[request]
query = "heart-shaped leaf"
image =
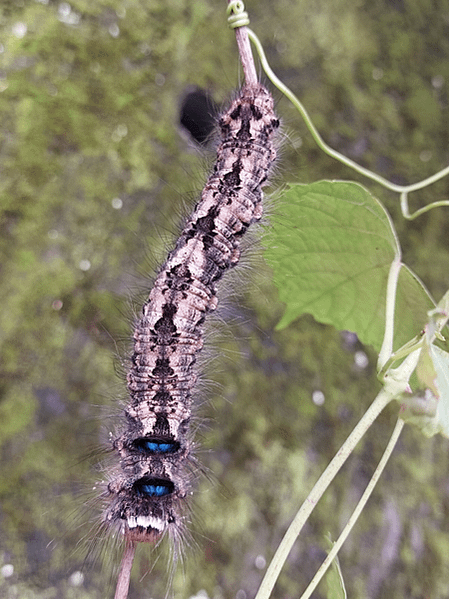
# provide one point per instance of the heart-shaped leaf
(331, 246)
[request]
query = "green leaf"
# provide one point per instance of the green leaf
(331, 246)
(334, 577)
(441, 364)
(428, 408)
(413, 302)
(425, 369)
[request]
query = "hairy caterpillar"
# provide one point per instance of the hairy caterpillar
(148, 492)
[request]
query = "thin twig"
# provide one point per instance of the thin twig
(121, 592)
(246, 55)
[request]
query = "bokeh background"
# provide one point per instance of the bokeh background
(95, 173)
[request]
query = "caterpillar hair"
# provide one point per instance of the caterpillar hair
(148, 491)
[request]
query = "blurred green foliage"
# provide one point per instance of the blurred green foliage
(89, 101)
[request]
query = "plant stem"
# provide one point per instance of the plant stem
(121, 592)
(318, 490)
(246, 55)
(356, 513)
(401, 189)
(405, 209)
(392, 284)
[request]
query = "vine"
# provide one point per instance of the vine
(403, 190)
(425, 404)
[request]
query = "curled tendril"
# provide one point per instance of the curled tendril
(237, 16)
(403, 190)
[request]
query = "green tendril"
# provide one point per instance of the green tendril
(237, 16)
(403, 190)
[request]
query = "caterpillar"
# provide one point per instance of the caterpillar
(148, 492)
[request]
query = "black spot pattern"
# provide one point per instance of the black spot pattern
(147, 493)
